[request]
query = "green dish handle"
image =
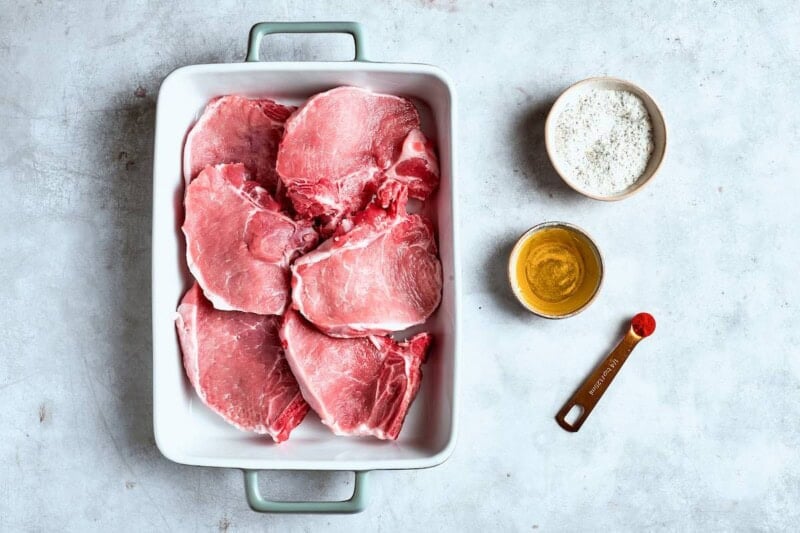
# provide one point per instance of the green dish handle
(356, 503)
(261, 29)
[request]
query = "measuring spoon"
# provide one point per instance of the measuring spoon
(589, 393)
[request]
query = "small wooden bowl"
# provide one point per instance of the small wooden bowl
(656, 119)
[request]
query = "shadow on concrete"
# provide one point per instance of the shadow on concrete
(125, 134)
(532, 155)
(495, 270)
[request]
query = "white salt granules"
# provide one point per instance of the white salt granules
(603, 140)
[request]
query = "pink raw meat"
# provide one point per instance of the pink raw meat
(236, 365)
(235, 129)
(357, 386)
(338, 148)
(238, 242)
(381, 276)
(417, 167)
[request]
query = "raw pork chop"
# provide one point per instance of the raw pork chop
(381, 276)
(235, 129)
(236, 364)
(417, 167)
(338, 148)
(238, 242)
(357, 386)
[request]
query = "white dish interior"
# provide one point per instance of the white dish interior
(186, 431)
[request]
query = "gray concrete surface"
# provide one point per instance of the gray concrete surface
(700, 431)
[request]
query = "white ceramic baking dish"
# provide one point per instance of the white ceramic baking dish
(185, 430)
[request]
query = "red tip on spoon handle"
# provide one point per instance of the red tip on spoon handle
(643, 324)
(589, 393)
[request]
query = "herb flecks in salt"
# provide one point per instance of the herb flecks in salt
(604, 139)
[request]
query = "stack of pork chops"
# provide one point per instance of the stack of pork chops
(306, 261)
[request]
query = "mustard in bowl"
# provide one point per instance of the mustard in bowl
(555, 270)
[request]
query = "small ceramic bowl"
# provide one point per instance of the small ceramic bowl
(514, 259)
(656, 119)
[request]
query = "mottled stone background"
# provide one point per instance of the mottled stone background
(700, 431)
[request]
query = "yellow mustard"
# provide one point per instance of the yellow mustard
(557, 271)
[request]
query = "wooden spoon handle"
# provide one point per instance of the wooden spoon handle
(592, 389)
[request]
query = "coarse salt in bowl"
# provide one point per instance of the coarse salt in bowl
(605, 137)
